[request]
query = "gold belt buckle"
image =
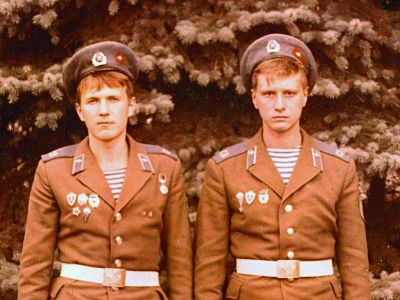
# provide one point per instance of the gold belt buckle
(114, 277)
(288, 269)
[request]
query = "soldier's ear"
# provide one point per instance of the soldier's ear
(254, 98)
(131, 106)
(305, 97)
(79, 111)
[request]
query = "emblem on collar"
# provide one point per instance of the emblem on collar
(145, 162)
(251, 157)
(317, 159)
(78, 164)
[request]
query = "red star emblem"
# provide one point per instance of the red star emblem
(120, 58)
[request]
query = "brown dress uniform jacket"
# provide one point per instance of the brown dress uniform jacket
(320, 204)
(143, 217)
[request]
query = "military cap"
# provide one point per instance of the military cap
(273, 46)
(99, 57)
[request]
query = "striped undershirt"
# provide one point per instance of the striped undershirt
(115, 179)
(285, 160)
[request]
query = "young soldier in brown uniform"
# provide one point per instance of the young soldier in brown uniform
(286, 206)
(108, 203)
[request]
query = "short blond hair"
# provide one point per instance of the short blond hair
(101, 79)
(277, 68)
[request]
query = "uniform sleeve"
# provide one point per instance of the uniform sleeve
(351, 248)
(39, 241)
(212, 234)
(177, 240)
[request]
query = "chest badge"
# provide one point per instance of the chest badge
(94, 200)
(71, 199)
(263, 196)
(76, 211)
(240, 198)
(163, 188)
(86, 213)
(250, 196)
(82, 199)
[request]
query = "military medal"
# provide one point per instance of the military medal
(71, 198)
(263, 196)
(94, 200)
(250, 196)
(163, 188)
(86, 213)
(239, 198)
(76, 211)
(82, 199)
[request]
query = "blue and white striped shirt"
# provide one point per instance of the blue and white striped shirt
(285, 160)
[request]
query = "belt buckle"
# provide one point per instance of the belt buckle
(288, 269)
(114, 277)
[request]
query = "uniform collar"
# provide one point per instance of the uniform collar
(309, 165)
(87, 170)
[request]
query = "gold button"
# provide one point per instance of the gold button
(288, 208)
(290, 231)
(114, 288)
(118, 262)
(118, 217)
(118, 240)
(290, 254)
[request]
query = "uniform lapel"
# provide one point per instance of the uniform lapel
(306, 168)
(88, 172)
(264, 168)
(135, 176)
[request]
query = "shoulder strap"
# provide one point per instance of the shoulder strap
(67, 151)
(231, 151)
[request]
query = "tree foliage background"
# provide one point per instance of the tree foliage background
(191, 97)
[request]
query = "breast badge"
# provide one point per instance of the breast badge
(94, 200)
(82, 199)
(83, 203)
(86, 213)
(263, 196)
(250, 196)
(71, 199)
(240, 198)
(163, 188)
(76, 211)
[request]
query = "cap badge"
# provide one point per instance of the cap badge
(99, 59)
(273, 46)
(299, 55)
(120, 58)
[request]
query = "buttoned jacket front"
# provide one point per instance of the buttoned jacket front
(315, 217)
(127, 234)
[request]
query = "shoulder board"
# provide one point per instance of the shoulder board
(67, 151)
(332, 150)
(231, 151)
(155, 149)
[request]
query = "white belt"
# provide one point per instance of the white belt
(284, 268)
(110, 277)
